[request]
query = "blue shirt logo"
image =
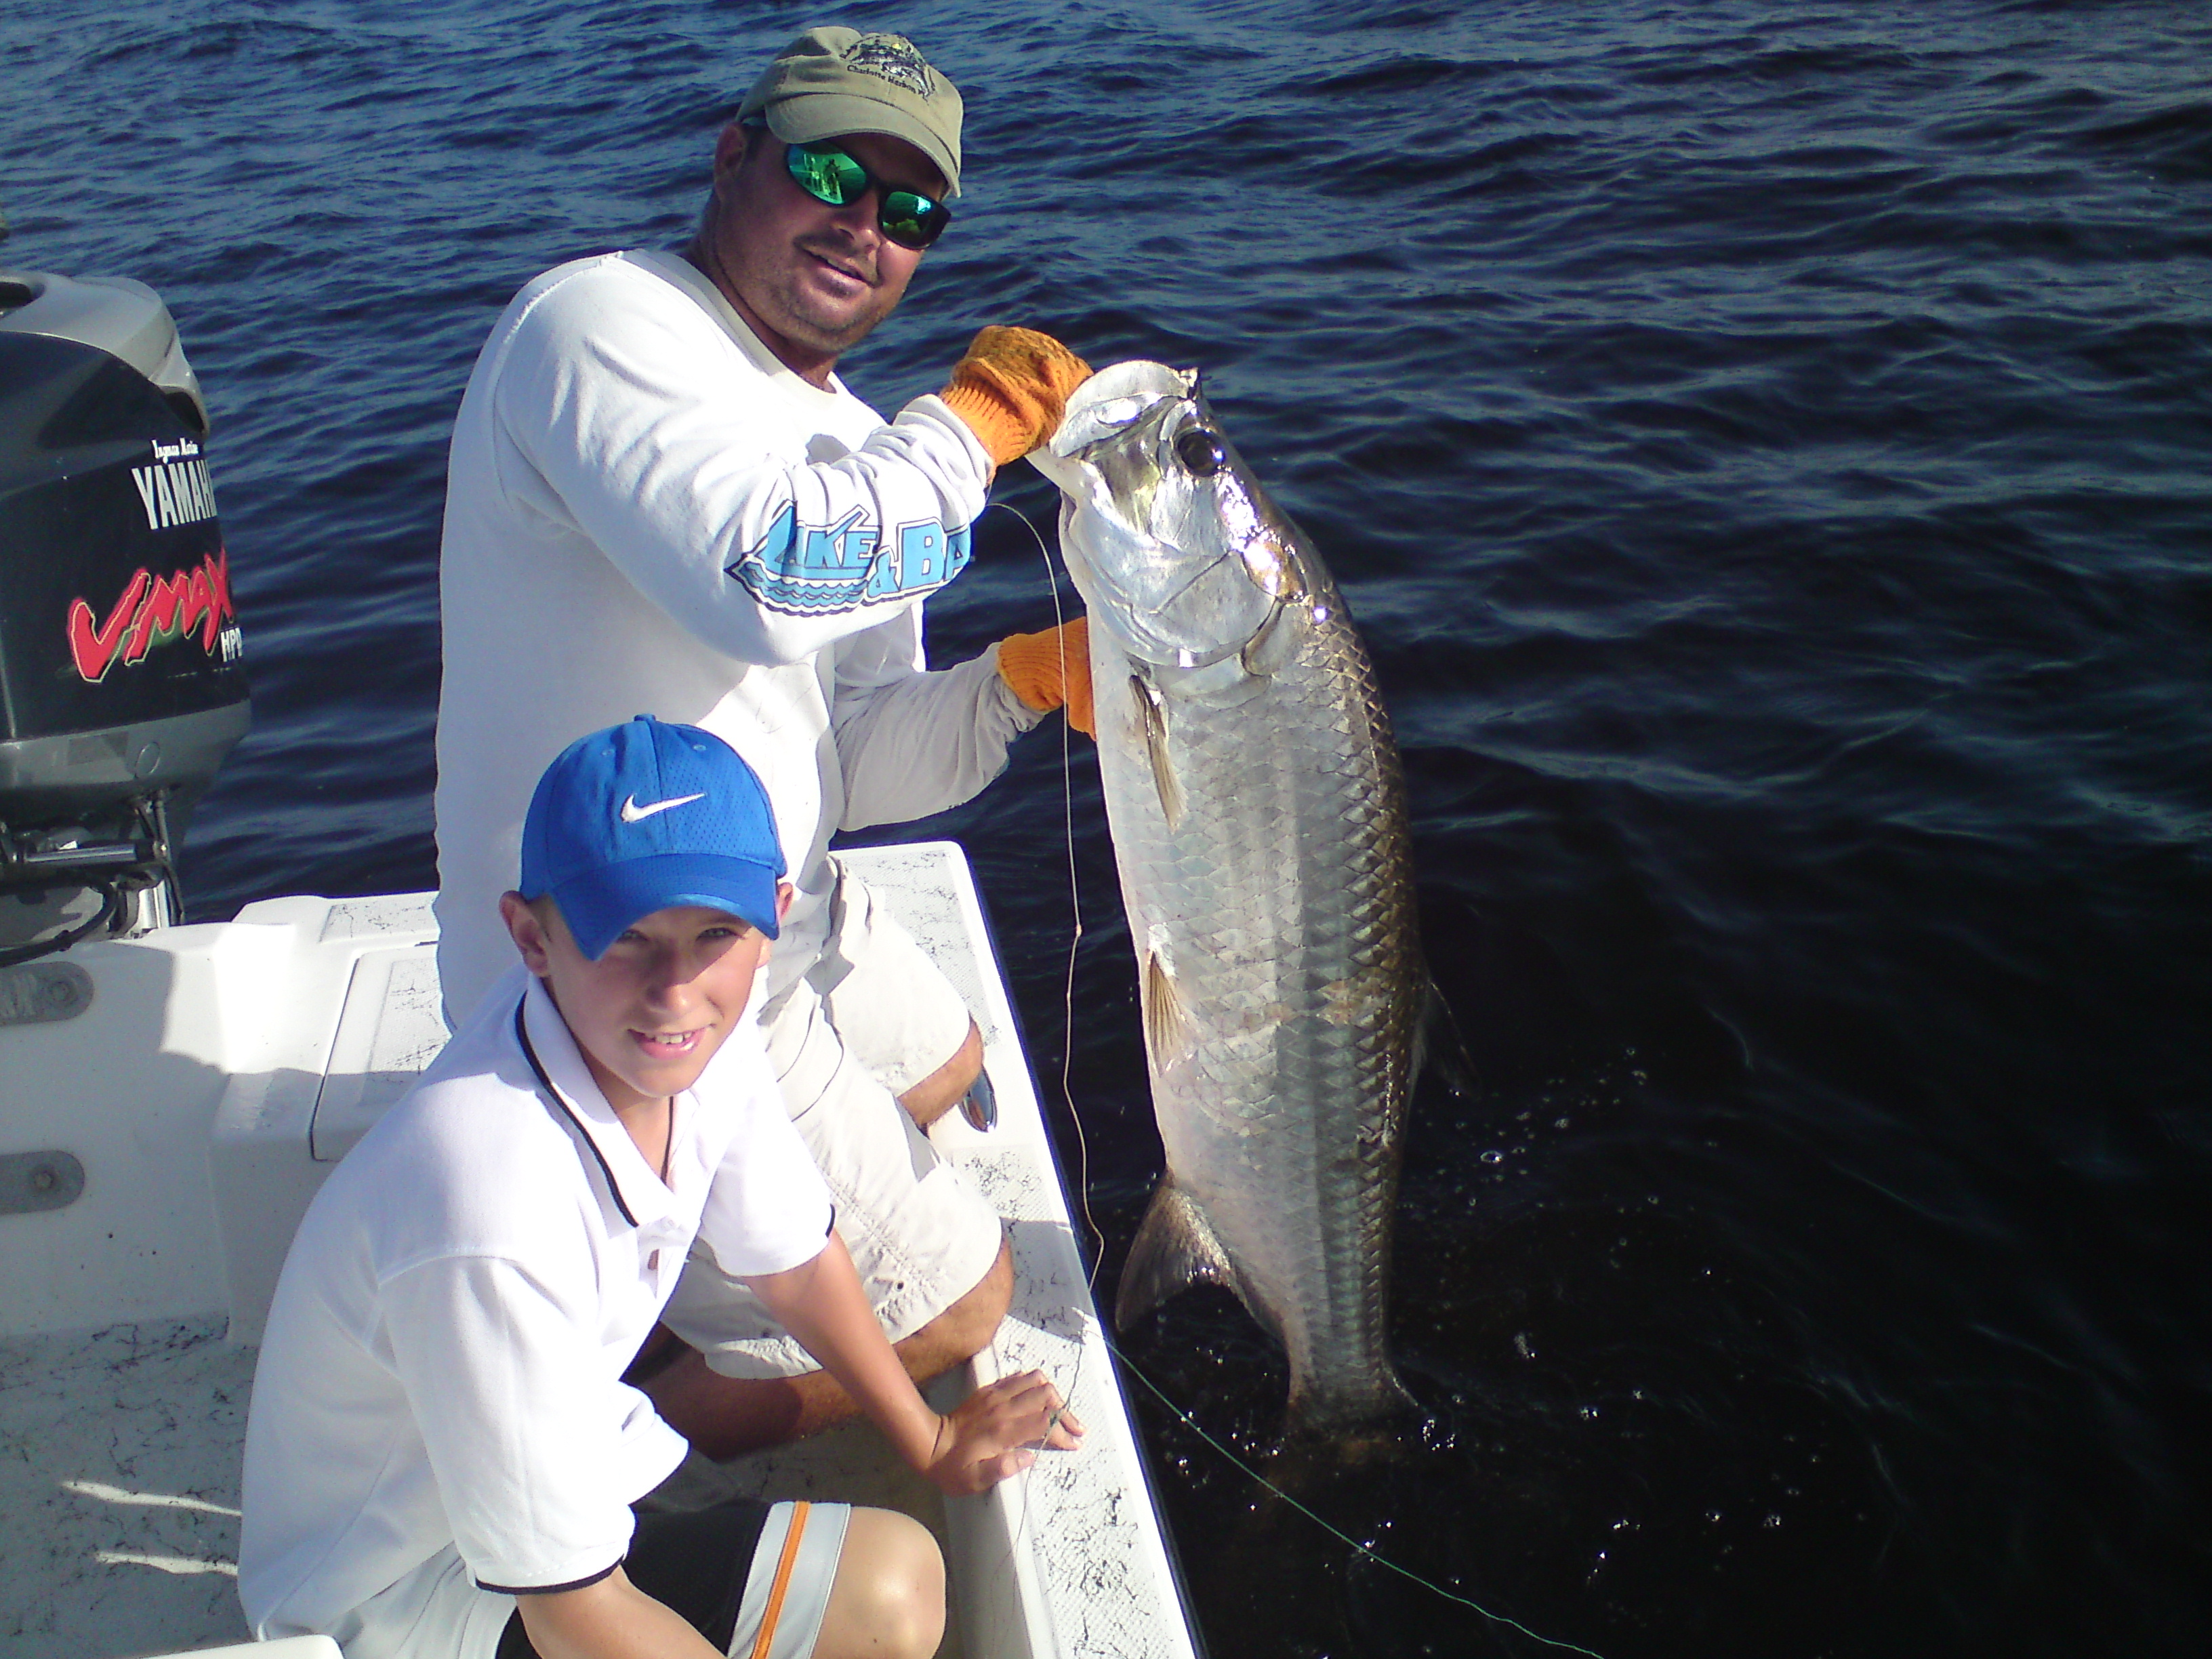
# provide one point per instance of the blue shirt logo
(806, 571)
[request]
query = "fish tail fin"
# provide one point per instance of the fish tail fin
(1174, 1248)
(1371, 1401)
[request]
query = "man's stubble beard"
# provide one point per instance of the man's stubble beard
(853, 326)
(778, 299)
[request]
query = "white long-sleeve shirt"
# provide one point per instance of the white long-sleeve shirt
(647, 513)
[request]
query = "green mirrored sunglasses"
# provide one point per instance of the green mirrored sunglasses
(828, 174)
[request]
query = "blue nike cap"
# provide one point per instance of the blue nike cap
(645, 816)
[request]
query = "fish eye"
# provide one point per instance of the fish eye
(1201, 452)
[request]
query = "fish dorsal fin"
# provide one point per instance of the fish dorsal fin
(1152, 722)
(1174, 1249)
(1167, 1027)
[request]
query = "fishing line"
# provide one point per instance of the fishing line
(1083, 1181)
(1075, 907)
(1067, 982)
(1380, 1561)
(1067, 1018)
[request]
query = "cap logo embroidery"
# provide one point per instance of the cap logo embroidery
(893, 58)
(632, 812)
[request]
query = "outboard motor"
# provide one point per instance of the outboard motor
(121, 688)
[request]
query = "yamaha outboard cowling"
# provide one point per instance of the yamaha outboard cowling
(121, 688)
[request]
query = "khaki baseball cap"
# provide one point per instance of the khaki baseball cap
(832, 80)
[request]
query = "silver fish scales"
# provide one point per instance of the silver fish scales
(1259, 824)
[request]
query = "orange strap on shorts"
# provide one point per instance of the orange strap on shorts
(783, 1566)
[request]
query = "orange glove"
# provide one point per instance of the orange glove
(1011, 389)
(1050, 669)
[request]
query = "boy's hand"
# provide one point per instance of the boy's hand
(991, 1434)
(994, 1432)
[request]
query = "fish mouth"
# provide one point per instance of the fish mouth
(1110, 402)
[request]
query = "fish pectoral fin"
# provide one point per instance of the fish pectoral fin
(1167, 1027)
(1152, 722)
(1174, 1249)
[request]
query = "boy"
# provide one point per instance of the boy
(442, 1457)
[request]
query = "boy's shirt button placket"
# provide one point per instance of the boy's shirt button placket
(663, 1245)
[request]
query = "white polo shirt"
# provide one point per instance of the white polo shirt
(439, 1419)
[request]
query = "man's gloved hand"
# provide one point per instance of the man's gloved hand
(1011, 389)
(1050, 669)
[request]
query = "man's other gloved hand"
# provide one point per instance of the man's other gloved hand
(1032, 667)
(1011, 389)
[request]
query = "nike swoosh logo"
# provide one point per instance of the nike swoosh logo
(632, 812)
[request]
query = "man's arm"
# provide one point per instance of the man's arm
(912, 744)
(990, 1435)
(682, 481)
(612, 407)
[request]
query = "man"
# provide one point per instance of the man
(441, 1458)
(661, 498)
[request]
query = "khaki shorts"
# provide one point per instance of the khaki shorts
(872, 1018)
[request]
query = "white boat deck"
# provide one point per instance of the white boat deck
(217, 1073)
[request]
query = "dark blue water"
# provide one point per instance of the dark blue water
(1766, 448)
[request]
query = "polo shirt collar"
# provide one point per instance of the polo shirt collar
(635, 1186)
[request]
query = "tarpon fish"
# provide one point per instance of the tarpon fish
(1259, 822)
